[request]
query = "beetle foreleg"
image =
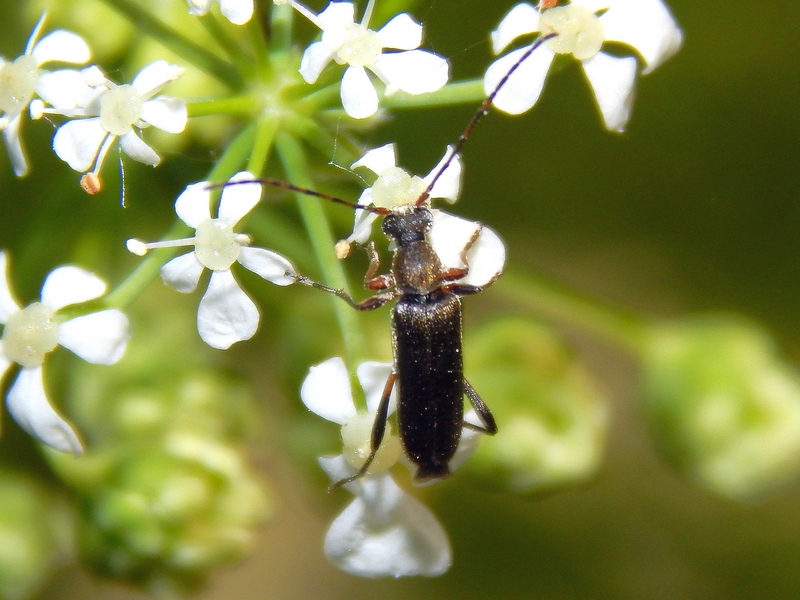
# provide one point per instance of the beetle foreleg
(370, 303)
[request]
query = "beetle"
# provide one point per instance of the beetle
(426, 326)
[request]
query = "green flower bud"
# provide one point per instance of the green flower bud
(34, 535)
(725, 407)
(551, 417)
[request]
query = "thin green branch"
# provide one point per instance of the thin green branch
(461, 92)
(175, 41)
(246, 105)
(229, 45)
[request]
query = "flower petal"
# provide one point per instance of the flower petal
(70, 285)
(414, 72)
(226, 314)
(336, 14)
(238, 200)
(192, 206)
(522, 89)
(168, 114)
(385, 532)
(377, 160)
(362, 227)
(99, 338)
(486, 258)
(359, 98)
(155, 77)
(315, 58)
(448, 186)
(520, 20)
(237, 12)
(199, 7)
(77, 142)
(29, 407)
(326, 391)
(612, 79)
(182, 272)
(373, 376)
(402, 32)
(16, 154)
(646, 25)
(134, 146)
(267, 264)
(64, 90)
(7, 303)
(62, 46)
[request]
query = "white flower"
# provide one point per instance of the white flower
(360, 48)
(30, 333)
(395, 187)
(383, 532)
(237, 12)
(226, 314)
(582, 27)
(23, 77)
(106, 111)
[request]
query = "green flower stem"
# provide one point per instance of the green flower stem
(461, 92)
(229, 45)
(281, 18)
(321, 139)
(134, 285)
(323, 97)
(259, 42)
(541, 295)
(266, 128)
(189, 50)
(313, 213)
(245, 105)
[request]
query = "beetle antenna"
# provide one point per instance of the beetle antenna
(482, 112)
(300, 190)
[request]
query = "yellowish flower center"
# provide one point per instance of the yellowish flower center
(361, 47)
(579, 31)
(29, 334)
(394, 187)
(216, 245)
(120, 108)
(356, 436)
(18, 81)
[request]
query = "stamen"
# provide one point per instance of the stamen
(302, 10)
(367, 13)
(140, 248)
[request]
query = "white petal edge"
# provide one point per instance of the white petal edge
(16, 153)
(315, 58)
(28, 405)
(385, 532)
(448, 186)
(523, 88)
(378, 160)
(373, 376)
(99, 338)
(7, 303)
(520, 20)
(64, 90)
(62, 46)
(199, 7)
(267, 264)
(168, 114)
(402, 33)
(362, 225)
(336, 14)
(77, 142)
(226, 314)
(359, 98)
(237, 12)
(182, 273)
(135, 147)
(238, 200)
(155, 77)
(612, 80)
(486, 258)
(326, 391)
(645, 25)
(70, 285)
(414, 71)
(192, 206)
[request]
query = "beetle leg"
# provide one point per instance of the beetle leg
(373, 281)
(376, 439)
(485, 415)
(460, 272)
(370, 303)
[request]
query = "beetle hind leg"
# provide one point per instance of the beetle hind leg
(485, 415)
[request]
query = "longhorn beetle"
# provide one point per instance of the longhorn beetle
(426, 326)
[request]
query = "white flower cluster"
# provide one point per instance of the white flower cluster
(100, 110)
